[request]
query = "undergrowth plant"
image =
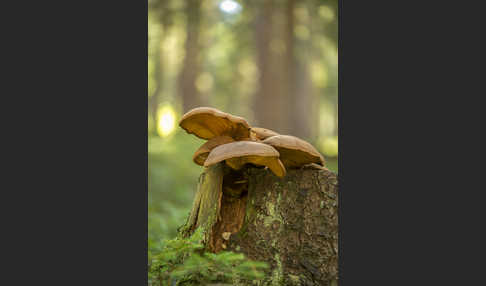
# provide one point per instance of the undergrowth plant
(184, 262)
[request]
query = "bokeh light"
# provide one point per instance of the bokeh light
(165, 121)
(330, 146)
(230, 6)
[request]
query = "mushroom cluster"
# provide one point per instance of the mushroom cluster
(232, 146)
(232, 140)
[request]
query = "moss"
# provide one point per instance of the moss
(294, 279)
(277, 274)
(208, 226)
(273, 214)
(272, 209)
(250, 211)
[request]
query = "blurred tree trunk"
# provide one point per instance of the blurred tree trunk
(271, 99)
(187, 78)
(164, 18)
(154, 99)
(291, 223)
(285, 100)
(290, 62)
(303, 100)
(304, 105)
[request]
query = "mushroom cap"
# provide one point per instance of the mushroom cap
(202, 153)
(262, 133)
(240, 153)
(208, 122)
(314, 166)
(294, 152)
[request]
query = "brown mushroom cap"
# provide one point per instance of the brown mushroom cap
(294, 152)
(261, 133)
(314, 166)
(208, 122)
(202, 153)
(240, 153)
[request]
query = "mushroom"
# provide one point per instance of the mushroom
(258, 133)
(294, 152)
(314, 166)
(202, 153)
(237, 154)
(208, 122)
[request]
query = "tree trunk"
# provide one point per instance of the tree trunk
(187, 78)
(304, 105)
(291, 223)
(158, 77)
(303, 111)
(271, 99)
(164, 18)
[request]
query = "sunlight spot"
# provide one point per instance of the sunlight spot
(330, 146)
(318, 74)
(327, 120)
(326, 13)
(230, 6)
(165, 121)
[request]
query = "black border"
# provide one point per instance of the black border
(76, 189)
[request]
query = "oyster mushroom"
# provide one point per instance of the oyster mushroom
(202, 153)
(294, 152)
(237, 154)
(258, 133)
(207, 123)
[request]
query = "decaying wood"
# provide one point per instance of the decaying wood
(291, 222)
(207, 202)
(233, 207)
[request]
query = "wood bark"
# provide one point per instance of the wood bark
(291, 223)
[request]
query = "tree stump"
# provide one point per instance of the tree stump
(291, 223)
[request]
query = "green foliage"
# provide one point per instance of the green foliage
(172, 183)
(184, 262)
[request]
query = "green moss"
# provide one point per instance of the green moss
(273, 214)
(277, 274)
